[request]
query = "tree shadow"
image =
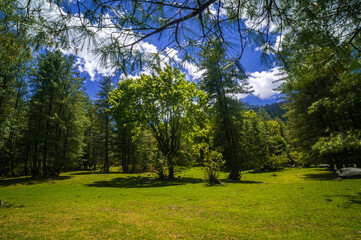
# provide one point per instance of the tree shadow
(324, 175)
(94, 172)
(30, 181)
(352, 200)
(239, 181)
(143, 182)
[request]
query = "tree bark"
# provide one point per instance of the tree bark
(106, 163)
(171, 168)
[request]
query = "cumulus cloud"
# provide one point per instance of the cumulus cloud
(89, 61)
(279, 40)
(265, 82)
(214, 11)
(170, 57)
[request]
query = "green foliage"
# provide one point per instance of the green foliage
(15, 55)
(265, 147)
(343, 142)
(105, 120)
(324, 107)
(275, 110)
(159, 164)
(166, 104)
(223, 81)
(213, 162)
(57, 117)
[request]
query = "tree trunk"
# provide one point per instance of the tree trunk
(171, 168)
(26, 160)
(106, 163)
(124, 162)
(35, 165)
(45, 147)
(339, 164)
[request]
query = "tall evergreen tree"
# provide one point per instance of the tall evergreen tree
(103, 105)
(223, 80)
(56, 115)
(14, 57)
(323, 102)
(94, 146)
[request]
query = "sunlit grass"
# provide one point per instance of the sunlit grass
(290, 204)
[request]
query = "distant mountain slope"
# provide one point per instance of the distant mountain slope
(253, 100)
(274, 109)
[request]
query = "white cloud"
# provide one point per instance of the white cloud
(222, 11)
(259, 24)
(264, 83)
(279, 40)
(89, 61)
(193, 71)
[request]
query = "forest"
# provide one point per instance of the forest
(158, 122)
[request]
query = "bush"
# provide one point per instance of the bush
(159, 165)
(213, 163)
(272, 163)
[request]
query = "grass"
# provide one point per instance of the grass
(290, 204)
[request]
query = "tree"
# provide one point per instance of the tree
(105, 117)
(93, 138)
(12, 113)
(56, 115)
(165, 103)
(15, 55)
(191, 23)
(223, 82)
(321, 59)
(264, 146)
(324, 109)
(213, 163)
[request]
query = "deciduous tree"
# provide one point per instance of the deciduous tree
(165, 103)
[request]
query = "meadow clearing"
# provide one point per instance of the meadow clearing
(300, 203)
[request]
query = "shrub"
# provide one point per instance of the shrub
(213, 163)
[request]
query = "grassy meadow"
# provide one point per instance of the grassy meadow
(290, 204)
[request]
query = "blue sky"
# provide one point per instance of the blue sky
(261, 76)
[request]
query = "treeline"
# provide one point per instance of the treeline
(158, 122)
(44, 117)
(161, 122)
(275, 110)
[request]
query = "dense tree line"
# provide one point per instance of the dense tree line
(322, 85)
(275, 110)
(156, 122)
(160, 121)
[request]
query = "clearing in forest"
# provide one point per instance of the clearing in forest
(290, 204)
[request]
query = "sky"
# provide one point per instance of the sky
(261, 77)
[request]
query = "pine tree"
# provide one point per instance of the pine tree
(223, 81)
(14, 57)
(56, 115)
(103, 105)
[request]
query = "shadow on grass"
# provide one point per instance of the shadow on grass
(94, 172)
(30, 181)
(257, 172)
(240, 181)
(142, 182)
(352, 200)
(323, 175)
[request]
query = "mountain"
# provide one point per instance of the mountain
(274, 109)
(253, 100)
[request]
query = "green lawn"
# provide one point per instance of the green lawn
(290, 204)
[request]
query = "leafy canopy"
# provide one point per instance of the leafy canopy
(166, 104)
